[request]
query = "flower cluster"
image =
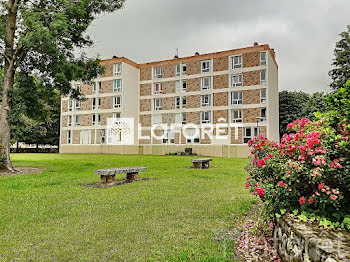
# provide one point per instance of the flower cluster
(309, 169)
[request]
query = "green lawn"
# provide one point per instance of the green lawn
(176, 215)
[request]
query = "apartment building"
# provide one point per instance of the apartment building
(236, 90)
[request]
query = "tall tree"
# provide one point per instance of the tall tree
(341, 73)
(40, 37)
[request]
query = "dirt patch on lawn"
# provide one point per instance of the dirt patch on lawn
(117, 183)
(21, 170)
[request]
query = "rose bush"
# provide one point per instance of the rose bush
(308, 171)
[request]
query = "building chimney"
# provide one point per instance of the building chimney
(176, 56)
(196, 53)
(115, 56)
(256, 44)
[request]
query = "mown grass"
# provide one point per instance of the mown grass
(176, 215)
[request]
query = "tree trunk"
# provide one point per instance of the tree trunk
(9, 75)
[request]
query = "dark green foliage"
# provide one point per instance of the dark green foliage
(298, 105)
(341, 72)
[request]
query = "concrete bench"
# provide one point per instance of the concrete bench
(201, 162)
(108, 174)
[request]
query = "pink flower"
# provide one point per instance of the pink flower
(280, 183)
(317, 194)
(333, 197)
(260, 192)
(302, 200)
(247, 185)
(311, 201)
(320, 186)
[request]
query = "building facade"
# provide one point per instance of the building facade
(236, 90)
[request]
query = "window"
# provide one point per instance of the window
(263, 58)
(77, 104)
(168, 137)
(183, 118)
(117, 69)
(236, 61)
(184, 85)
(183, 102)
(184, 68)
(157, 119)
(205, 100)
(78, 87)
(96, 119)
(236, 116)
(157, 72)
(77, 120)
(97, 87)
(103, 136)
(177, 102)
(263, 113)
(236, 97)
(206, 83)
(96, 103)
(205, 66)
(177, 69)
(237, 80)
(117, 102)
(263, 77)
(191, 137)
(117, 85)
(157, 104)
(69, 120)
(249, 133)
(70, 105)
(263, 95)
(206, 117)
(116, 117)
(69, 137)
(158, 88)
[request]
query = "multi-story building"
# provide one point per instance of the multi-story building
(237, 87)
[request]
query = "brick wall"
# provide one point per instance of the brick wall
(251, 78)
(168, 87)
(240, 137)
(220, 114)
(76, 136)
(220, 99)
(250, 114)
(221, 63)
(220, 81)
(146, 73)
(193, 118)
(65, 106)
(251, 96)
(251, 59)
(193, 101)
(108, 65)
(104, 118)
(157, 132)
(168, 103)
(64, 137)
(193, 85)
(145, 105)
(145, 120)
(168, 118)
(145, 141)
(64, 121)
(86, 89)
(86, 105)
(168, 71)
(107, 86)
(145, 89)
(85, 120)
(193, 67)
(107, 102)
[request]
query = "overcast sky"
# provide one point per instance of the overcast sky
(303, 33)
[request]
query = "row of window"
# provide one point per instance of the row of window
(96, 103)
(235, 61)
(236, 98)
(97, 86)
(206, 83)
(168, 136)
(96, 119)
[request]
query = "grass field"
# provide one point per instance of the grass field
(176, 215)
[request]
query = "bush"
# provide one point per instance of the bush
(308, 171)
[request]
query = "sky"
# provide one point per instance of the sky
(302, 32)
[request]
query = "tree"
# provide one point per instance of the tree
(298, 105)
(341, 73)
(40, 38)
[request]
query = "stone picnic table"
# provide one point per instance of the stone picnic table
(108, 174)
(201, 162)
